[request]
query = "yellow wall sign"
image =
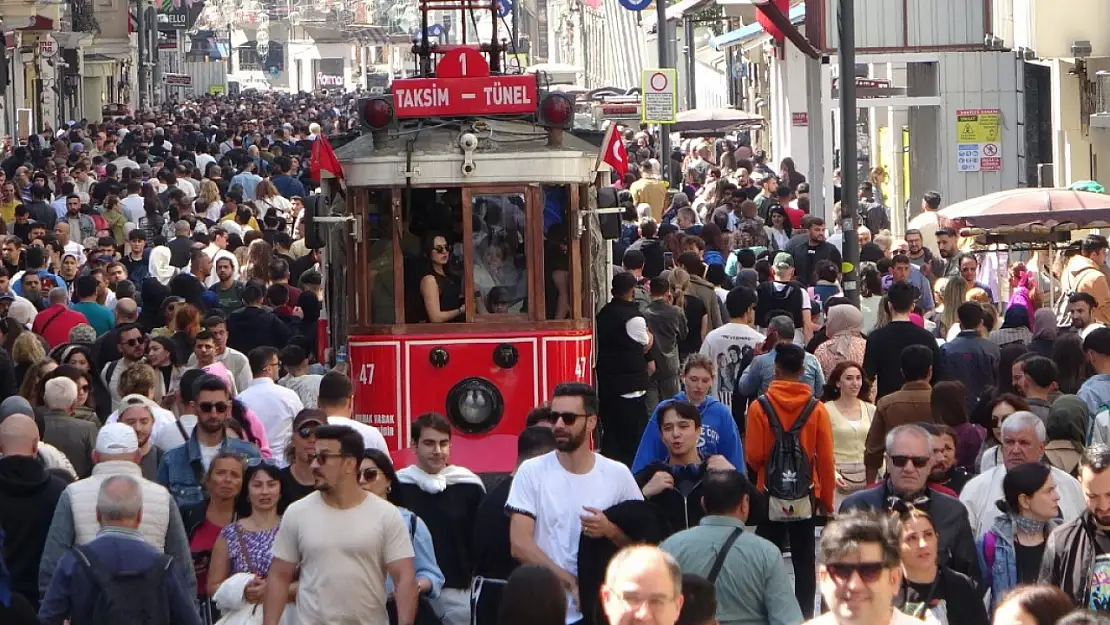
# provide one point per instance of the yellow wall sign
(978, 126)
(215, 89)
(659, 102)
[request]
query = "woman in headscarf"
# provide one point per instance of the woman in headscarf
(1066, 427)
(1044, 332)
(1015, 327)
(846, 343)
(678, 201)
(159, 264)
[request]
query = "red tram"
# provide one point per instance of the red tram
(485, 164)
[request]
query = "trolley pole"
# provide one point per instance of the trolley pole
(848, 162)
(663, 41)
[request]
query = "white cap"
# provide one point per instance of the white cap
(116, 438)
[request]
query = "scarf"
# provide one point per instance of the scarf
(438, 482)
(1028, 525)
(1044, 324)
(843, 328)
(1067, 421)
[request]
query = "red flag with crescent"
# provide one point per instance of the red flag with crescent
(614, 154)
(766, 23)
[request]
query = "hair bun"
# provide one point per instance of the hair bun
(1003, 506)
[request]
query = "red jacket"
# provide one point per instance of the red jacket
(55, 322)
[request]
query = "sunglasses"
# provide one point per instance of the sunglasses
(306, 431)
(918, 461)
(322, 457)
(134, 342)
(368, 475)
(208, 406)
(842, 572)
(440, 249)
(258, 462)
(568, 417)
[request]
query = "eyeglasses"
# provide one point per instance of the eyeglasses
(440, 249)
(368, 475)
(568, 417)
(322, 457)
(635, 601)
(842, 572)
(208, 406)
(306, 431)
(918, 461)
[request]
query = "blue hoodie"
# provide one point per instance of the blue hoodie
(718, 436)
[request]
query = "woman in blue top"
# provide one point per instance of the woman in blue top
(377, 476)
(719, 435)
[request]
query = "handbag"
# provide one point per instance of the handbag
(854, 476)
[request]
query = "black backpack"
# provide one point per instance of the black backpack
(128, 596)
(788, 474)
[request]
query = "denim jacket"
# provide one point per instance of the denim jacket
(1002, 575)
(425, 562)
(182, 472)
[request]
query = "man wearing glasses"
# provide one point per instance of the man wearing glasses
(909, 460)
(642, 578)
(344, 541)
(558, 497)
(132, 348)
(860, 571)
(182, 469)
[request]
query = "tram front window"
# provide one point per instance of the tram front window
(380, 225)
(500, 276)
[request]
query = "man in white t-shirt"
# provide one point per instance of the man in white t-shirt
(559, 496)
(733, 345)
(337, 400)
(344, 541)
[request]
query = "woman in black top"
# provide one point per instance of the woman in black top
(440, 290)
(697, 319)
(929, 591)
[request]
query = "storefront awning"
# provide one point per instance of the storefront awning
(746, 32)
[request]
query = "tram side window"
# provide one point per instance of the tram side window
(500, 276)
(434, 255)
(380, 232)
(556, 255)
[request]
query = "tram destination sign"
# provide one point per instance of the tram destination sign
(463, 86)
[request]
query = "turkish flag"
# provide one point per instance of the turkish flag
(324, 160)
(766, 23)
(614, 154)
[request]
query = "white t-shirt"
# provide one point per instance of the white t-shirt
(726, 347)
(342, 555)
(371, 436)
(556, 498)
(207, 455)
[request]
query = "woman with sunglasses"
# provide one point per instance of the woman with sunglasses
(80, 357)
(1011, 550)
(440, 290)
(244, 548)
(377, 476)
(929, 592)
(205, 520)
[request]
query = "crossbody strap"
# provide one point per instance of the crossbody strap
(723, 554)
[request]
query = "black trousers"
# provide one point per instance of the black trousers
(623, 421)
(803, 548)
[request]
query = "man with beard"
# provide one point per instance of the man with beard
(181, 467)
(948, 265)
(559, 496)
(810, 248)
(1075, 553)
(345, 542)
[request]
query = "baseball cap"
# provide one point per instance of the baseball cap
(116, 438)
(7, 297)
(307, 416)
(784, 260)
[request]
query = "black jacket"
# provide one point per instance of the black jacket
(653, 255)
(806, 258)
(180, 249)
(28, 496)
(253, 326)
(493, 557)
(450, 517)
(956, 546)
(961, 595)
(1069, 554)
(681, 505)
(641, 522)
(621, 363)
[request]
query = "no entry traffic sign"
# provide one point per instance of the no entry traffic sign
(660, 96)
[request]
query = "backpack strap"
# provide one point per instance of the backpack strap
(719, 563)
(94, 566)
(800, 422)
(412, 526)
(776, 424)
(772, 416)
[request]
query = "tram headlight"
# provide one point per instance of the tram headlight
(556, 110)
(376, 112)
(475, 406)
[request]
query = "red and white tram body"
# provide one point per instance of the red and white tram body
(509, 195)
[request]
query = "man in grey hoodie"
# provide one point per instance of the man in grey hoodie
(667, 323)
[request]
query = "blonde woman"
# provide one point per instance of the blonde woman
(878, 177)
(953, 294)
(27, 350)
(267, 199)
(210, 194)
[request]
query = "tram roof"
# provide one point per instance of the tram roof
(508, 152)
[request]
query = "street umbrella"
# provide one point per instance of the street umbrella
(714, 120)
(1030, 209)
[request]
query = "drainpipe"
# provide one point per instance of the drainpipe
(691, 63)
